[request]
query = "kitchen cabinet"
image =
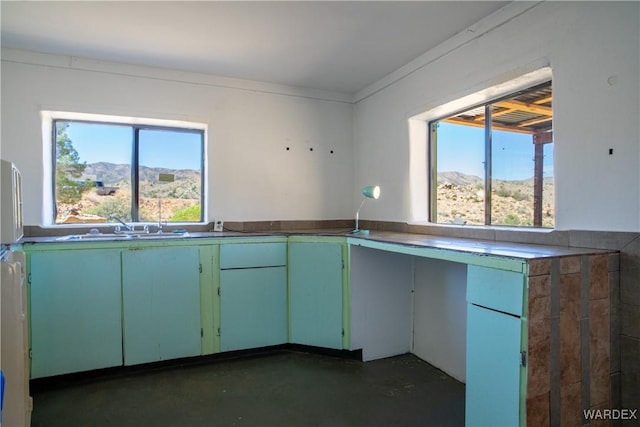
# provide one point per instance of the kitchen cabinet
(495, 358)
(161, 303)
(75, 311)
(316, 294)
(253, 295)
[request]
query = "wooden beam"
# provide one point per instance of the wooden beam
(542, 138)
(534, 121)
(465, 122)
(523, 106)
(499, 113)
(507, 110)
(538, 180)
(543, 100)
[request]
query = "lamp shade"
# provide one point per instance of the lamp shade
(371, 191)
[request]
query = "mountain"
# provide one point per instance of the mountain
(459, 178)
(462, 179)
(112, 174)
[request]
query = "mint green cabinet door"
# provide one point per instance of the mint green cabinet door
(253, 307)
(75, 311)
(315, 292)
(493, 368)
(161, 304)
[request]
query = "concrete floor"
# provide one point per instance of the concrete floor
(279, 389)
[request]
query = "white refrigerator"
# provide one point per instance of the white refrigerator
(14, 356)
(14, 341)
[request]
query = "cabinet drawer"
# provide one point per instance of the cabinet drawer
(496, 289)
(248, 255)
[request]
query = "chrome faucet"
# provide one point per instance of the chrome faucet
(159, 216)
(127, 226)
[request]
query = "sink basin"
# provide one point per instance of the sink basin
(163, 235)
(94, 237)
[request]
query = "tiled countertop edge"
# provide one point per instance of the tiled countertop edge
(586, 239)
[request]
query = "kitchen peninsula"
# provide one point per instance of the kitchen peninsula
(533, 319)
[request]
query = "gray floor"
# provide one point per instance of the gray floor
(281, 389)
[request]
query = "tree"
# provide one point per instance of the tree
(69, 169)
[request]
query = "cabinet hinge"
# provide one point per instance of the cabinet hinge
(218, 331)
(523, 358)
(200, 268)
(30, 354)
(343, 332)
(218, 291)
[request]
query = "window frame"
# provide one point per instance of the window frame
(432, 144)
(135, 151)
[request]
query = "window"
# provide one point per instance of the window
(137, 173)
(493, 164)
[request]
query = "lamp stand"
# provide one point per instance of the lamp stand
(357, 230)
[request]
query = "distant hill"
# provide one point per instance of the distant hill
(113, 174)
(462, 179)
(459, 178)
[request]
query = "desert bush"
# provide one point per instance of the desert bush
(117, 206)
(192, 213)
(517, 195)
(513, 219)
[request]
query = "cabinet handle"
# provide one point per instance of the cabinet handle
(523, 359)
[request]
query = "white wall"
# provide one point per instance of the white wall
(593, 49)
(440, 315)
(381, 302)
(251, 176)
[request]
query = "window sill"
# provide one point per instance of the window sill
(480, 227)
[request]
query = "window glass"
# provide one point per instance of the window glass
(460, 188)
(511, 178)
(105, 172)
(501, 164)
(169, 171)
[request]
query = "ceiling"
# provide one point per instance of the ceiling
(333, 45)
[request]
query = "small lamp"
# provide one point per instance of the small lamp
(369, 192)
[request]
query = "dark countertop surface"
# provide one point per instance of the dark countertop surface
(466, 245)
(481, 247)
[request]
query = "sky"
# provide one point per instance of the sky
(461, 149)
(113, 144)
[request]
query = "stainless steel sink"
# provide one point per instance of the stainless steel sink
(163, 235)
(95, 237)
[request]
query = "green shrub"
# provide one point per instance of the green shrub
(511, 219)
(192, 213)
(117, 206)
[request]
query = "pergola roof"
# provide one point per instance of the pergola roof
(529, 112)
